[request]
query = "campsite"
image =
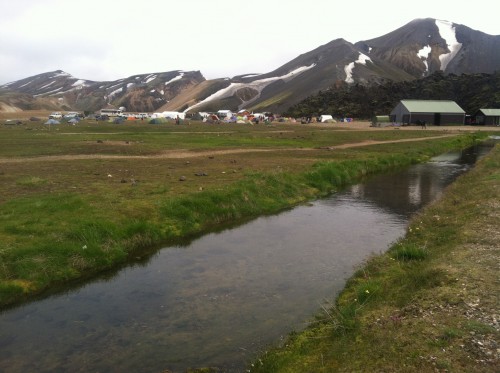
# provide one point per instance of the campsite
(96, 195)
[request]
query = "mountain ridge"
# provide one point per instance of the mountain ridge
(412, 51)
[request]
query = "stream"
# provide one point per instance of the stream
(225, 297)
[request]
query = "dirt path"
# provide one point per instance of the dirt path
(182, 153)
(373, 142)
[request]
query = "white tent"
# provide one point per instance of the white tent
(173, 115)
(224, 114)
(325, 118)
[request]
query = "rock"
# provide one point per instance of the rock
(182, 178)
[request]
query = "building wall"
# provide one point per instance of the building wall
(450, 119)
(492, 121)
(401, 114)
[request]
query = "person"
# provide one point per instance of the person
(424, 125)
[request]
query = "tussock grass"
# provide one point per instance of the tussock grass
(406, 251)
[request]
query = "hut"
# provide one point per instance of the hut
(435, 112)
(379, 120)
(488, 117)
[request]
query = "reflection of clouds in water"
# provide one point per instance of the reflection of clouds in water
(414, 193)
(357, 190)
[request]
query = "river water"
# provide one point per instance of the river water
(221, 299)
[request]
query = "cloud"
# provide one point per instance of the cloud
(107, 40)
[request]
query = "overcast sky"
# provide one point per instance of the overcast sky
(110, 39)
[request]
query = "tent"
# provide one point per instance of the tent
(118, 120)
(157, 121)
(52, 121)
(212, 118)
(173, 115)
(230, 119)
(326, 118)
(73, 121)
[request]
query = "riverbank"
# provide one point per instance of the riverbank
(66, 214)
(430, 304)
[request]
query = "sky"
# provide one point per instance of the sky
(106, 40)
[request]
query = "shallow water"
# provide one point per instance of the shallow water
(226, 296)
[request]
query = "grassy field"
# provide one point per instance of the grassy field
(77, 200)
(430, 304)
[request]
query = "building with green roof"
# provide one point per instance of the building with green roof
(435, 112)
(488, 117)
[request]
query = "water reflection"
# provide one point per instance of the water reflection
(223, 298)
(404, 192)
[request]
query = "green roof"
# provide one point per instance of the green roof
(432, 106)
(490, 112)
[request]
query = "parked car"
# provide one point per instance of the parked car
(55, 115)
(72, 114)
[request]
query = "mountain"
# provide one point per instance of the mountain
(470, 91)
(413, 51)
(60, 90)
(425, 46)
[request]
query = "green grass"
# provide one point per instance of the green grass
(62, 219)
(421, 306)
(407, 251)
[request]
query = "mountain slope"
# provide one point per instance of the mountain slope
(424, 46)
(413, 51)
(471, 92)
(142, 92)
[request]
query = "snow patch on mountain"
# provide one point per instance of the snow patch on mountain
(178, 77)
(62, 73)
(447, 32)
(348, 68)
(423, 54)
(24, 85)
(150, 78)
(46, 85)
(115, 92)
(79, 82)
(258, 85)
(50, 93)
